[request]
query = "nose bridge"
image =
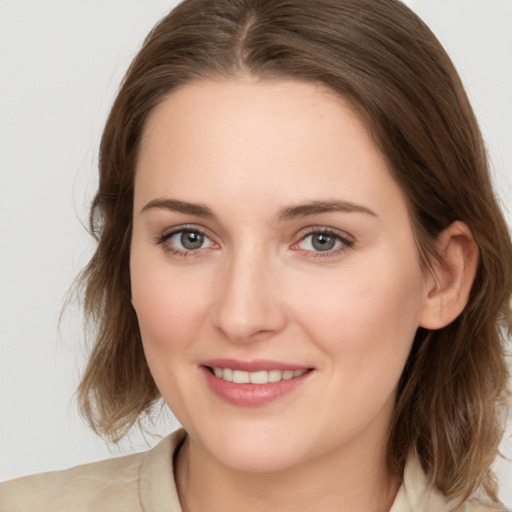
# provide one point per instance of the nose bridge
(248, 305)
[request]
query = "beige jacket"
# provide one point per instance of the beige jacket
(144, 482)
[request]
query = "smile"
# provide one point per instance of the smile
(253, 384)
(258, 377)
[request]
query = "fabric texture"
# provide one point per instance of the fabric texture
(144, 482)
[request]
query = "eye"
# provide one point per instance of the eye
(185, 241)
(324, 241)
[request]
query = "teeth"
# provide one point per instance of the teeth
(260, 377)
(275, 375)
(240, 377)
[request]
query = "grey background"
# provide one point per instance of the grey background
(61, 62)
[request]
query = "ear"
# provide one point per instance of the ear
(451, 278)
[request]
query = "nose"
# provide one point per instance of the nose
(249, 303)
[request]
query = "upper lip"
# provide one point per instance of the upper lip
(252, 366)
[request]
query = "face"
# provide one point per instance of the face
(274, 272)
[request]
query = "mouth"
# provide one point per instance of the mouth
(256, 383)
(257, 377)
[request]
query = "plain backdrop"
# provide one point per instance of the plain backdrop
(61, 62)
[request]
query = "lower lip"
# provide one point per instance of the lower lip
(252, 395)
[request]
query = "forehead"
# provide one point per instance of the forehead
(283, 141)
(257, 107)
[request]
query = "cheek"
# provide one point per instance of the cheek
(171, 309)
(366, 320)
(170, 306)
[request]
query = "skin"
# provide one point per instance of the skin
(258, 288)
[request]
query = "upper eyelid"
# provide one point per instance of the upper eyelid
(167, 233)
(324, 229)
(298, 237)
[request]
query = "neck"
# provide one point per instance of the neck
(331, 482)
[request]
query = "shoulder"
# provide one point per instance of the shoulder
(481, 506)
(112, 484)
(79, 488)
(417, 493)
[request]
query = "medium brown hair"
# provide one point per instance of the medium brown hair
(382, 58)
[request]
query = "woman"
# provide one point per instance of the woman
(300, 251)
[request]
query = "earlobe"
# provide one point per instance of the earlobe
(453, 272)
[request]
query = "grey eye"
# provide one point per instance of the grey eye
(191, 240)
(186, 241)
(323, 241)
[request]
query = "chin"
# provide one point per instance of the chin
(257, 459)
(254, 448)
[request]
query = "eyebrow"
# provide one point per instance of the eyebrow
(287, 213)
(317, 207)
(174, 205)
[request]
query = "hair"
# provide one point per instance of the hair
(382, 59)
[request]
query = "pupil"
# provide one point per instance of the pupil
(323, 242)
(192, 240)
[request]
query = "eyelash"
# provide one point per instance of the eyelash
(163, 239)
(346, 242)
